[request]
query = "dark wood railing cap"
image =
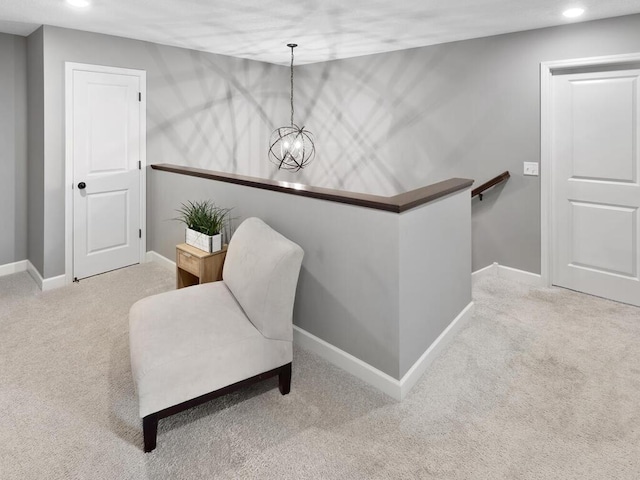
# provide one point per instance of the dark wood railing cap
(397, 203)
(479, 191)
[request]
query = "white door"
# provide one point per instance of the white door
(106, 145)
(595, 186)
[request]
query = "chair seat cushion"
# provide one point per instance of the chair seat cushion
(189, 342)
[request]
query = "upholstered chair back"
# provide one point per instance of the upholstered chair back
(261, 269)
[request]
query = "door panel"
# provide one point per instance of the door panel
(595, 189)
(614, 252)
(108, 128)
(106, 151)
(602, 113)
(108, 220)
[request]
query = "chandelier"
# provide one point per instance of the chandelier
(291, 147)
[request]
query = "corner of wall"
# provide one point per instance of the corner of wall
(500, 271)
(35, 149)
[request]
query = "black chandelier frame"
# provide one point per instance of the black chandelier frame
(279, 152)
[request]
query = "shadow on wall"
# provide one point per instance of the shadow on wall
(212, 112)
(382, 124)
(389, 123)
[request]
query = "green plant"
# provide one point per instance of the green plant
(203, 216)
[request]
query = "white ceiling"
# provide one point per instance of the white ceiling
(324, 29)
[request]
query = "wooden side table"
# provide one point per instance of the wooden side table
(195, 266)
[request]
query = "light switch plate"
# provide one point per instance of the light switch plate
(531, 168)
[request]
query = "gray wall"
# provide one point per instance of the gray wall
(383, 123)
(434, 261)
(396, 121)
(204, 110)
(378, 285)
(35, 149)
(348, 288)
(13, 148)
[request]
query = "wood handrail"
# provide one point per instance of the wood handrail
(396, 204)
(491, 183)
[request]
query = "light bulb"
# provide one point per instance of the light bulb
(79, 3)
(573, 12)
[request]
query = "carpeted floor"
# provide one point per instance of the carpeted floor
(542, 384)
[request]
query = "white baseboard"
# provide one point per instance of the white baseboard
(160, 260)
(60, 281)
(11, 268)
(408, 381)
(54, 282)
(508, 273)
(397, 389)
(488, 271)
(348, 362)
(521, 276)
(45, 284)
(35, 274)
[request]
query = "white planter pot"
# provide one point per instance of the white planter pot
(204, 242)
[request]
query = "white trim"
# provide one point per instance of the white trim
(45, 284)
(68, 174)
(70, 67)
(545, 174)
(397, 389)
(519, 276)
(412, 376)
(11, 268)
(53, 283)
(356, 367)
(622, 60)
(155, 257)
(488, 271)
(143, 162)
(497, 270)
(35, 274)
(547, 70)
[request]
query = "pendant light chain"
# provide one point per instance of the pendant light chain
(291, 147)
(292, 85)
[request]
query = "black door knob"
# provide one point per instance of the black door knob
(82, 185)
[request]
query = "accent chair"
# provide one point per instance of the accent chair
(191, 345)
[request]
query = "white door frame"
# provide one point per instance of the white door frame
(70, 67)
(547, 70)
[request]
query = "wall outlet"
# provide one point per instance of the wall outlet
(531, 168)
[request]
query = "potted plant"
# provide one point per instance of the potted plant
(205, 222)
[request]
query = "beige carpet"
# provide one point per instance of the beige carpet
(542, 384)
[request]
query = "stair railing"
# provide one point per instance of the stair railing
(491, 183)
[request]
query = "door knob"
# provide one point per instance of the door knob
(82, 185)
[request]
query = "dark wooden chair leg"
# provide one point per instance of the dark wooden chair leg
(150, 422)
(284, 379)
(150, 431)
